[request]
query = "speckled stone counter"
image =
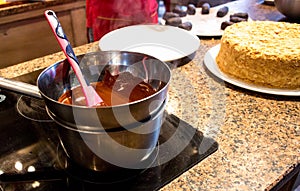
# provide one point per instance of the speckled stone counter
(258, 134)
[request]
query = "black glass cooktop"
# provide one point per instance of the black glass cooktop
(31, 157)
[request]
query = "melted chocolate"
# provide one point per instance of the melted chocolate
(114, 90)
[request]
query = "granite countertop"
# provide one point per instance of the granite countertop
(258, 134)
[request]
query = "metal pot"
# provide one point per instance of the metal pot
(130, 147)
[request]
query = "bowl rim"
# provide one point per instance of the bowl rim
(113, 106)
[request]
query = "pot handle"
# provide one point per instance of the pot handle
(20, 87)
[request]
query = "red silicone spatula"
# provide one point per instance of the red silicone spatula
(91, 96)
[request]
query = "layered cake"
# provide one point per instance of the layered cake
(264, 53)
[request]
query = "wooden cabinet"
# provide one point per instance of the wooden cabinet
(27, 35)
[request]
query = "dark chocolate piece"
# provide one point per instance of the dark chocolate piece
(205, 8)
(241, 15)
(226, 24)
(222, 11)
(186, 25)
(236, 19)
(177, 9)
(169, 15)
(191, 9)
(174, 21)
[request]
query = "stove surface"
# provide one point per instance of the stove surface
(31, 157)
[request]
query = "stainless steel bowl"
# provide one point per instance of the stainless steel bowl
(289, 8)
(58, 78)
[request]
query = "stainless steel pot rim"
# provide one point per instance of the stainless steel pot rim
(115, 106)
(99, 130)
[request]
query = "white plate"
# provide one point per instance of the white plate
(210, 63)
(209, 24)
(163, 42)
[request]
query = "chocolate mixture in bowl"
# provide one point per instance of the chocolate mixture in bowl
(113, 89)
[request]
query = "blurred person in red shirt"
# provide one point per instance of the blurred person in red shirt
(104, 16)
